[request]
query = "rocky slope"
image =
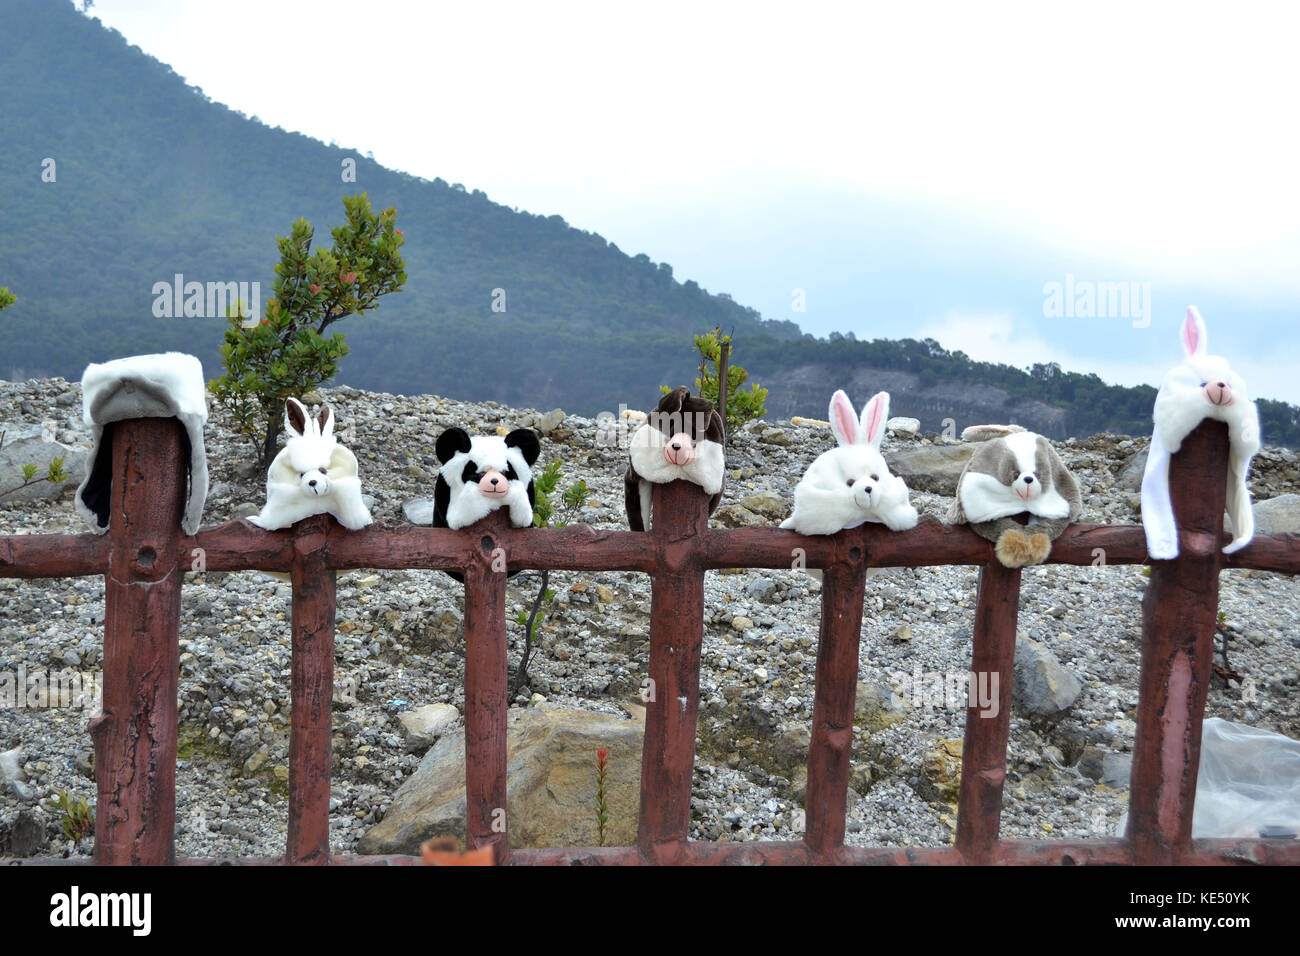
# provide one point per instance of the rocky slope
(399, 649)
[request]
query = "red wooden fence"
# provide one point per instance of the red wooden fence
(144, 557)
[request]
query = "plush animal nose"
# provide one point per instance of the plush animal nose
(1029, 479)
(312, 482)
(1218, 393)
(679, 449)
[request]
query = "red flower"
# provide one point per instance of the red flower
(398, 231)
(315, 289)
(347, 278)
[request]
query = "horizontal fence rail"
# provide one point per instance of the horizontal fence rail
(144, 557)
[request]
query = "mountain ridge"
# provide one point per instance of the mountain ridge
(152, 179)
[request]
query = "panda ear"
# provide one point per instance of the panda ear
(525, 439)
(450, 443)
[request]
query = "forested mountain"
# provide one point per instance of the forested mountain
(115, 176)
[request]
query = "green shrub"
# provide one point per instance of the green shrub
(743, 405)
(285, 354)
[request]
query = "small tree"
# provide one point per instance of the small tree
(742, 405)
(7, 298)
(575, 496)
(286, 354)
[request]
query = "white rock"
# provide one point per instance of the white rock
(907, 427)
(426, 724)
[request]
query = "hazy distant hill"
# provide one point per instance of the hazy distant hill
(153, 179)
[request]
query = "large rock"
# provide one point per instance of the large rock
(757, 510)
(426, 724)
(906, 427)
(1280, 515)
(1043, 687)
(933, 468)
(1130, 476)
(940, 779)
(34, 444)
(550, 790)
(767, 505)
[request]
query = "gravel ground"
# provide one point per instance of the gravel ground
(399, 638)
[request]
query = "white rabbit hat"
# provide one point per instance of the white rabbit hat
(1203, 386)
(163, 385)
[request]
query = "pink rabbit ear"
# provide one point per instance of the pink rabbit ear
(871, 427)
(1194, 336)
(843, 422)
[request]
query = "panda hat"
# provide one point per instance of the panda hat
(484, 473)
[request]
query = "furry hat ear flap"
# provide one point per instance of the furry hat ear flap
(525, 439)
(988, 432)
(169, 385)
(1193, 334)
(325, 421)
(674, 400)
(871, 426)
(451, 443)
(295, 417)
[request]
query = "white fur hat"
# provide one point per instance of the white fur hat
(165, 385)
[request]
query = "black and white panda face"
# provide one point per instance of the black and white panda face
(483, 473)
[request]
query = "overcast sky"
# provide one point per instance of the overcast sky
(911, 169)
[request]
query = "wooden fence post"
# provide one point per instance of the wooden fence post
(312, 683)
(680, 514)
(135, 735)
(984, 744)
(1179, 614)
(834, 692)
(486, 690)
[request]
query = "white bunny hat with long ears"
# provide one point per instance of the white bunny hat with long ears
(1203, 386)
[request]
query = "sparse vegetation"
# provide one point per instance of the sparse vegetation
(77, 817)
(743, 405)
(544, 516)
(285, 354)
(54, 474)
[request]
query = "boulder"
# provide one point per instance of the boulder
(1130, 476)
(550, 791)
(933, 468)
(550, 421)
(35, 444)
(1280, 515)
(424, 725)
(757, 510)
(940, 779)
(767, 505)
(1043, 687)
(737, 516)
(905, 427)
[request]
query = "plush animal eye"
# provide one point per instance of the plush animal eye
(322, 471)
(302, 474)
(875, 477)
(1203, 384)
(850, 482)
